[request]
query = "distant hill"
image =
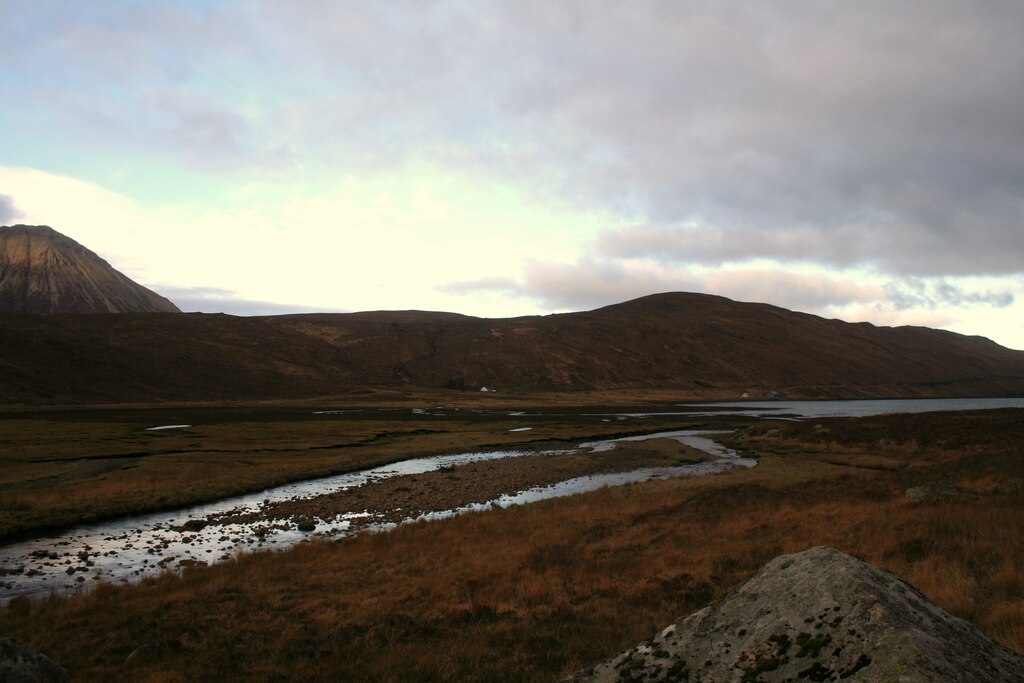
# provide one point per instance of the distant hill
(691, 344)
(45, 272)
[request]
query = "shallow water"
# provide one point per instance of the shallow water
(725, 459)
(128, 549)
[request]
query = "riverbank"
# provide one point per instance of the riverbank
(61, 469)
(534, 592)
(130, 549)
(411, 496)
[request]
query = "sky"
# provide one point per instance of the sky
(855, 160)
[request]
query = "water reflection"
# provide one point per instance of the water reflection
(128, 549)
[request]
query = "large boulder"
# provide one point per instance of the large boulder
(818, 615)
(21, 664)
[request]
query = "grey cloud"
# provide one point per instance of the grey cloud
(8, 212)
(844, 134)
(589, 284)
(868, 133)
(828, 136)
(202, 128)
(505, 285)
(151, 77)
(187, 124)
(573, 287)
(132, 44)
(217, 300)
(932, 294)
(810, 292)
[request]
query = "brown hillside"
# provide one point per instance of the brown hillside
(45, 272)
(692, 344)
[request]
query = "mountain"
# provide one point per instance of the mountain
(45, 272)
(818, 615)
(689, 345)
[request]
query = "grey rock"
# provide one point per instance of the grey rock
(21, 664)
(818, 615)
(932, 490)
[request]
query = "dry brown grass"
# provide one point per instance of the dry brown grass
(532, 593)
(63, 469)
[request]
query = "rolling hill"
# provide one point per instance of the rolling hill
(690, 344)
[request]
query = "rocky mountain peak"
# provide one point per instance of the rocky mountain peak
(817, 615)
(45, 272)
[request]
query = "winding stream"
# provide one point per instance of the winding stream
(128, 549)
(124, 550)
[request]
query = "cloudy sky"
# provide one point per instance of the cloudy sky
(860, 160)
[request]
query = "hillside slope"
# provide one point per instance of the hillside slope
(45, 272)
(694, 344)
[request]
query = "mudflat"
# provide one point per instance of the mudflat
(411, 496)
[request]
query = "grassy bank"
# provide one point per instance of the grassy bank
(62, 469)
(532, 593)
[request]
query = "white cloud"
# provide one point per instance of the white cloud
(8, 212)
(387, 241)
(92, 215)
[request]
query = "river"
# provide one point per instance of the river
(124, 550)
(119, 551)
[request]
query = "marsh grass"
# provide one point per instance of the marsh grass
(535, 592)
(58, 470)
